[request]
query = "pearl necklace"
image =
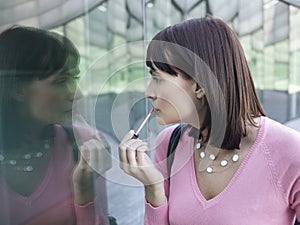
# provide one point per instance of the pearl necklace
(25, 158)
(212, 157)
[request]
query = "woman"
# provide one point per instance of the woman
(41, 181)
(232, 165)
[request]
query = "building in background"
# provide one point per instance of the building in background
(112, 36)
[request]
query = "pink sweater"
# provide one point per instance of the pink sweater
(52, 203)
(264, 191)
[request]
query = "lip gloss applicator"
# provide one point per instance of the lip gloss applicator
(136, 134)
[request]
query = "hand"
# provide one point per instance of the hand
(135, 161)
(94, 160)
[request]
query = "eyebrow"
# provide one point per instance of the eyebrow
(154, 73)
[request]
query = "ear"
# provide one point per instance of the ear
(18, 93)
(198, 90)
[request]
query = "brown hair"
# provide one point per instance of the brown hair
(26, 54)
(208, 50)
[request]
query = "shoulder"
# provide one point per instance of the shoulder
(281, 146)
(79, 134)
(279, 136)
(166, 133)
(163, 139)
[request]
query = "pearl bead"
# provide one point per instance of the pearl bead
(27, 156)
(198, 145)
(39, 154)
(28, 169)
(224, 163)
(209, 169)
(202, 155)
(12, 162)
(235, 158)
(212, 157)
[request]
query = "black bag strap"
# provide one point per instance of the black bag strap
(174, 139)
(71, 137)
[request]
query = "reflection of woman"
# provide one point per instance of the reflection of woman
(232, 165)
(40, 181)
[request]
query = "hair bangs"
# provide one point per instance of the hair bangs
(157, 57)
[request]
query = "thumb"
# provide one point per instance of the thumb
(84, 156)
(128, 136)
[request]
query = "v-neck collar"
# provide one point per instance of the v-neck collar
(40, 187)
(233, 180)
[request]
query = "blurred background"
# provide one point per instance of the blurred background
(112, 36)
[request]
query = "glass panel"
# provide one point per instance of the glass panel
(111, 37)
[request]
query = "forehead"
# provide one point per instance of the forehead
(69, 71)
(65, 72)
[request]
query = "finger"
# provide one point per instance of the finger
(131, 157)
(128, 136)
(136, 147)
(134, 144)
(96, 149)
(93, 156)
(122, 153)
(123, 163)
(125, 144)
(84, 156)
(142, 158)
(98, 156)
(143, 148)
(89, 149)
(122, 148)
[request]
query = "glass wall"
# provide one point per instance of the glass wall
(112, 37)
(268, 31)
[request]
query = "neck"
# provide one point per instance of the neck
(197, 118)
(23, 131)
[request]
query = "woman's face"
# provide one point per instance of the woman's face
(173, 98)
(50, 100)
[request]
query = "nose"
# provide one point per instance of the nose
(78, 93)
(74, 92)
(150, 91)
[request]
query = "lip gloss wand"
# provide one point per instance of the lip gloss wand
(136, 134)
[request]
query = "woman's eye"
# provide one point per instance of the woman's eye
(76, 78)
(63, 81)
(60, 81)
(155, 79)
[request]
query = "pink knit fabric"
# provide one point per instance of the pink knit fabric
(52, 203)
(264, 191)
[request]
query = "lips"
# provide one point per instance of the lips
(155, 109)
(69, 110)
(72, 108)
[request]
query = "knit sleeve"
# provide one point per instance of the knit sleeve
(159, 215)
(283, 148)
(295, 196)
(94, 212)
(291, 180)
(289, 172)
(85, 214)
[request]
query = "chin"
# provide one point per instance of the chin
(162, 121)
(67, 120)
